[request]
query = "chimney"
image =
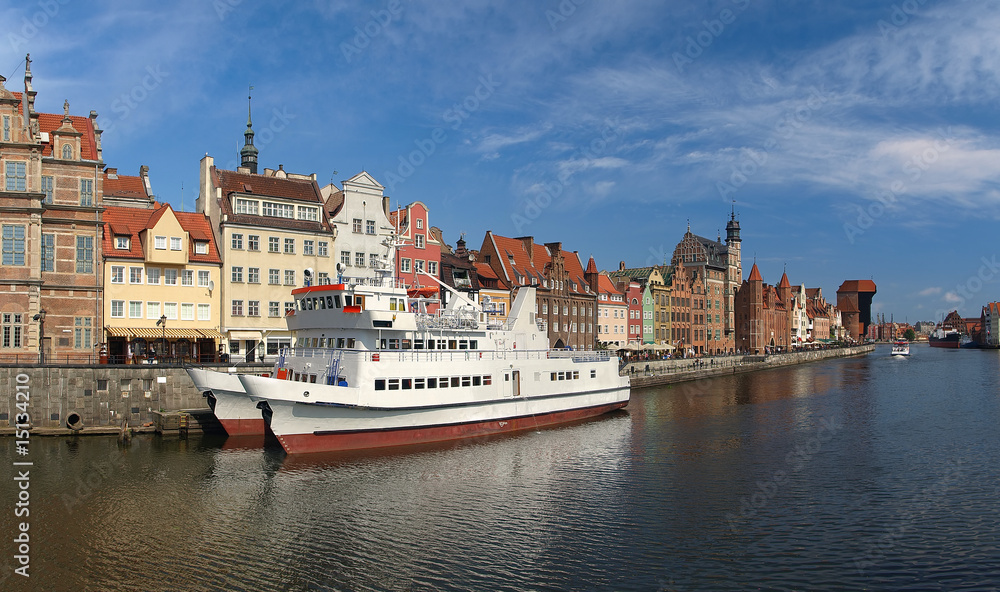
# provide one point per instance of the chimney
(144, 175)
(528, 242)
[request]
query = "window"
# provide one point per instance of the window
(153, 276)
(289, 307)
(418, 241)
(13, 245)
(356, 225)
(289, 277)
(86, 192)
(135, 309)
(359, 259)
(170, 310)
(117, 309)
(418, 265)
(122, 242)
(200, 248)
(82, 332)
(16, 177)
(6, 128)
(345, 258)
(272, 244)
(237, 241)
(420, 223)
(12, 329)
(372, 260)
(169, 277)
(160, 242)
(278, 210)
(48, 252)
(84, 254)
(48, 189)
(117, 274)
(237, 272)
(273, 308)
(152, 310)
(324, 249)
(324, 278)
(253, 308)
(204, 312)
(176, 244)
(253, 242)
(187, 278)
(310, 213)
(308, 247)
(247, 206)
(404, 265)
(369, 227)
(67, 152)
(204, 277)
(253, 275)
(273, 276)
(289, 246)
(237, 308)
(432, 267)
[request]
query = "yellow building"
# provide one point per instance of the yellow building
(161, 279)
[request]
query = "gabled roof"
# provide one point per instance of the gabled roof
(305, 191)
(124, 186)
(605, 285)
(49, 122)
(130, 222)
(515, 261)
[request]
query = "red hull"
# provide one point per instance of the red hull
(306, 443)
(244, 427)
(943, 343)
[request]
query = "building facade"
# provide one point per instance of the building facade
(763, 315)
(50, 219)
(358, 214)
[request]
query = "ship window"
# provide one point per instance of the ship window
(466, 381)
(432, 383)
(340, 342)
(312, 378)
(452, 344)
(463, 344)
(329, 301)
(359, 301)
(487, 380)
(393, 384)
(473, 344)
(506, 377)
(576, 375)
(477, 380)
(593, 373)
(455, 382)
(443, 382)
(336, 300)
(350, 343)
(406, 344)
(418, 344)
(442, 344)
(553, 376)
(380, 384)
(314, 342)
(407, 384)
(381, 344)
(418, 383)
(393, 344)
(430, 344)
(348, 300)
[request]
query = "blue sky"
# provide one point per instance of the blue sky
(858, 139)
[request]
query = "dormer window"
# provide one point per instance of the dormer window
(67, 152)
(200, 248)
(122, 242)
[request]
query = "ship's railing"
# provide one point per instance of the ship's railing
(449, 319)
(328, 362)
(374, 282)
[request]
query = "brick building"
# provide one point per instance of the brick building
(763, 314)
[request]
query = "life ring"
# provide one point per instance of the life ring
(74, 421)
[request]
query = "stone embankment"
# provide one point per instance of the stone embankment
(657, 372)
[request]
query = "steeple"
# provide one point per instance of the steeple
(248, 155)
(733, 227)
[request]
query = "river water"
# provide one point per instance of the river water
(867, 473)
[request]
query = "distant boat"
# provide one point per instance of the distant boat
(948, 338)
(901, 348)
(966, 342)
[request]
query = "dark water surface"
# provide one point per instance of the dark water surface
(871, 473)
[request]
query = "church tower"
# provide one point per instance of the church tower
(734, 271)
(248, 155)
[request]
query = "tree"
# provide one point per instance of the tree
(910, 335)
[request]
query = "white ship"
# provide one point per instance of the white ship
(901, 348)
(238, 415)
(371, 367)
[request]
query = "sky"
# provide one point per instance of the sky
(854, 139)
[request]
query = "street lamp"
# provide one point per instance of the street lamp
(40, 317)
(162, 323)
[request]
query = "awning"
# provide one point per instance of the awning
(182, 334)
(146, 332)
(210, 334)
(245, 335)
(118, 331)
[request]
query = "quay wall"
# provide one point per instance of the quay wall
(100, 394)
(658, 372)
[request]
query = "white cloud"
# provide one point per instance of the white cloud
(929, 291)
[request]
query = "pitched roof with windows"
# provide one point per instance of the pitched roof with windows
(130, 222)
(305, 191)
(49, 122)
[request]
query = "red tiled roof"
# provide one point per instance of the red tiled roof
(784, 283)
(49, 122)
(605, 285)
(122, 221)
(124, 186)
(755, 274)
(199, 227)
(485, 271)
(303, 190)
(857, 286)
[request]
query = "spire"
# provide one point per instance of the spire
(733, 227)
(248, 155)
(755, 274)
(784, 283)
(591, 265)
